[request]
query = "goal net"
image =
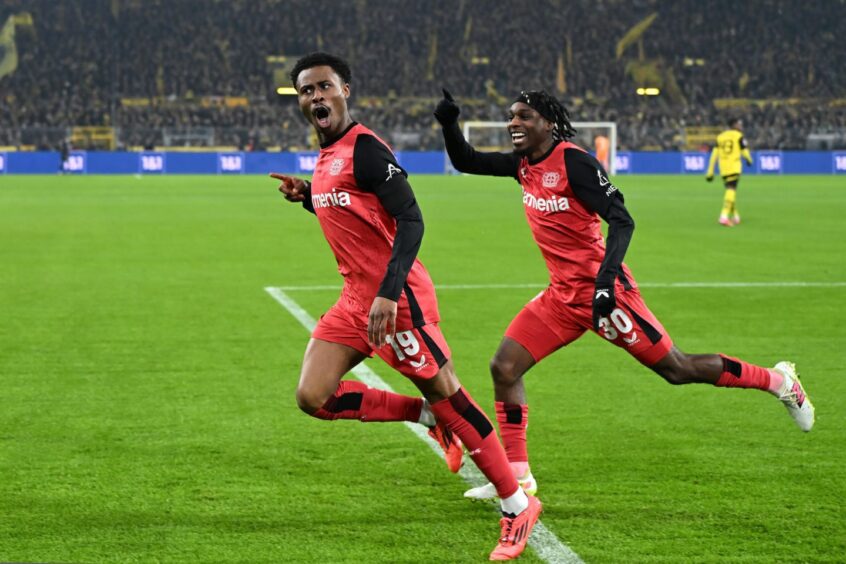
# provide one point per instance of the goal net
(598, 137)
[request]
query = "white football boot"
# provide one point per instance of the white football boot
(488, 491)
(793, 396)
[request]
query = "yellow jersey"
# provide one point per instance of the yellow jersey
(730, 147)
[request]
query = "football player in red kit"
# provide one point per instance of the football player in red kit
(370, 217)
(565, 193)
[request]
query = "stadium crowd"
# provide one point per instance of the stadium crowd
(82, 59)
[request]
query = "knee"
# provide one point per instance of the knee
(504, 370)
(309, 401)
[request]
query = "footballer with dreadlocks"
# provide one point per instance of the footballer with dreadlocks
(565, 193)
(370, 217)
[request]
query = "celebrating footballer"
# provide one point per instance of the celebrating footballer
(566, 192)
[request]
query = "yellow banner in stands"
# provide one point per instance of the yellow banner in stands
(8, 49)
(635, 33)
(23, 19)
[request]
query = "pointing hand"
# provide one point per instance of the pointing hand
(447, 110)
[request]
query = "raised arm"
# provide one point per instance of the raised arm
(463, 156)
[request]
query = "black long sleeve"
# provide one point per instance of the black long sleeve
(398, 198)
(307, 204)
(591, 185)
(376, 169)
(467, 159)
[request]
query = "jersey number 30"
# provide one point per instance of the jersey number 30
(621, 324)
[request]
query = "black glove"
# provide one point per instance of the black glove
(447, 110)
(709, 178)
(604, 303)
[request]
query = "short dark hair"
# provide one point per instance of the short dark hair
(319, 59)
(733, 120)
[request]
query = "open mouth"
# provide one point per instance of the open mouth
(321, 116)
(517, 137)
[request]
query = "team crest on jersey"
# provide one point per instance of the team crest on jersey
(336, 167)
(550, 179)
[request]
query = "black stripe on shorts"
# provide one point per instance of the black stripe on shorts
(417, 319)
(434, 348)
(651, 332)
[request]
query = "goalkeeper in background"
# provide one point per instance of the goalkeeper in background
(730, 147)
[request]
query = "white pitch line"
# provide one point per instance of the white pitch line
(784, 284)
(547, 546)
(775, 284)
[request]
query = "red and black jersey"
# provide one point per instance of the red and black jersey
(565, 192)
(371, 220)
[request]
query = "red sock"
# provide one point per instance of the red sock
(513, 419)
(739, 374)
(464, 417)
(354, 400)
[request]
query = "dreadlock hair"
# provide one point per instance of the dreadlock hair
(551, 110)
(319, 59)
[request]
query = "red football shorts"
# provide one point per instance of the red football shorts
(417, 353)
(548, 323)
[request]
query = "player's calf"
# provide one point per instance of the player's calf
(508, 365)
(724, 371)
(355, 400)
(467, 420)
(679, 368)
(720, 370)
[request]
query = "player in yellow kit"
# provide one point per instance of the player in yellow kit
(731, 146)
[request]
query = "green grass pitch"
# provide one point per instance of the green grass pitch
(147, 380)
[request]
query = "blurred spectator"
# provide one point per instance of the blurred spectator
(84, 56)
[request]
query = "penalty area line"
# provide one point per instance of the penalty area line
(545, 544)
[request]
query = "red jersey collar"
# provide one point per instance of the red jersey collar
(545, 155)
(339, 137)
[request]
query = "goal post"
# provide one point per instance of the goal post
(493, 136)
